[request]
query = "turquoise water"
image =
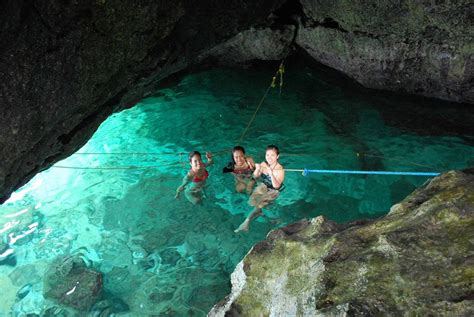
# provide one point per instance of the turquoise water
(112, 202)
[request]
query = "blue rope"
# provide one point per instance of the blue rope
(307, 171)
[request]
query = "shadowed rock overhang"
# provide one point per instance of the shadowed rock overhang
(67, 65)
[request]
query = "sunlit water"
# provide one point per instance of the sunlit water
(162, 256)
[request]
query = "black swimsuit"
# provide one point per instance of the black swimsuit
(267, 181)
(230, 168)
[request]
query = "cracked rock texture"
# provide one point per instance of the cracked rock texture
(417, 260)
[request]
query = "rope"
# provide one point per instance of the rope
(278, 75)
(219, 152)
(321, 155)
(307, 171)
(304, 171)
(254, 115)
(280, 71)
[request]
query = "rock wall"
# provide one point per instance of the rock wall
(67, 65)
(416, 260)
(418, 47)
(249, 45)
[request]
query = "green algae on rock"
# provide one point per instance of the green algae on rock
(416, 259)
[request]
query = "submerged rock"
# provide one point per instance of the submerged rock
(70, 282)
(417, 259)
(7, 255)
(108, 307)
(22, 292)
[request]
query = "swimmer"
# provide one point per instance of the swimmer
(242, 166)
(195, 178)
(272, 175)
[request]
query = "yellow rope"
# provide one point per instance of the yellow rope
(280, 71)
(278, 76)
(254, 115)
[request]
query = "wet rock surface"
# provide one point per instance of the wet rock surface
(418, 259)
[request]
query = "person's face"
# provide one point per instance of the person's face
(271, 156)
(239, 158)
(196, 162)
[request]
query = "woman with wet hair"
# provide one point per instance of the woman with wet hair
(271, 175)
(195, 179)
(242, 166)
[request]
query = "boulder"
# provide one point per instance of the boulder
(415, 260)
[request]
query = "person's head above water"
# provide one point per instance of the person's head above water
(272, 153)
(238, 155)
(195, 160)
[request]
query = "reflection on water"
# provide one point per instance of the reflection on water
(110, 207)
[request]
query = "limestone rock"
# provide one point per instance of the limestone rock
(423, 48)
(253, 44)
(418, 259)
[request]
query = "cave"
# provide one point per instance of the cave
(103, 101)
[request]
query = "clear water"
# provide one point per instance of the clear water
(162, 256)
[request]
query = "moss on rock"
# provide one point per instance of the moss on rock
(417, 259)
